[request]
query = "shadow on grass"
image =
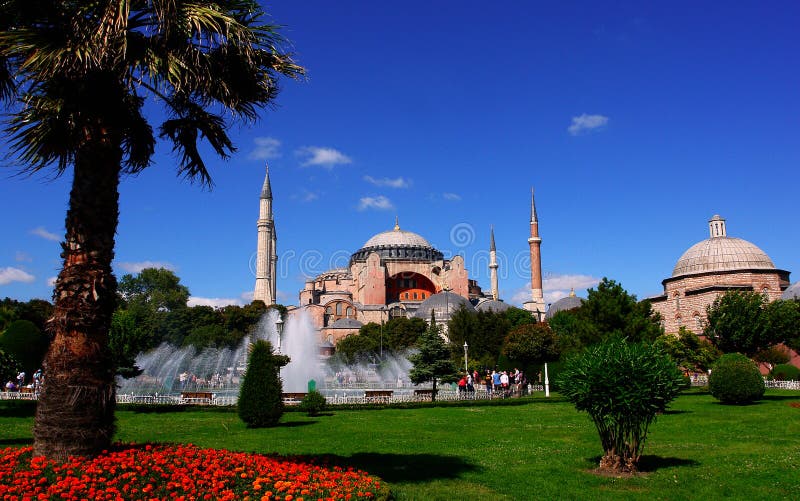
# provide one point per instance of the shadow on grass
(649, 463)
(295, 424)
(406, 467)
(780, 397)
(669, 412)
(17, 408)
(8, 442)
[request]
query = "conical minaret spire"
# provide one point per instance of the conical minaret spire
(266, 256)
(536, 304)
(493, 266)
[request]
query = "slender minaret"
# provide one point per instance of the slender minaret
(493, 266)
(265, 255)
(536, 305)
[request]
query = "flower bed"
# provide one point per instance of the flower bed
(179, 472)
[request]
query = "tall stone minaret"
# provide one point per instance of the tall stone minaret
(267, 240)
(536, 304)
(493, 267)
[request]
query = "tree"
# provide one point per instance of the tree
(158, 289)
(531, 344)
(623, 387)
(9, 368)
(402, 333)
(484, 331)
(432, 362)
(75, 77)
(261, 394)
(26, 343)
(126, 340)
(772, 356)
(737, 321)
(689, 351)
(610, 311)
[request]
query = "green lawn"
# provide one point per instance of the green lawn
(698, 450)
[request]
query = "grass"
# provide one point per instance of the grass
(544, 450)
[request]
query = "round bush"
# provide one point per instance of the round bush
(786, 372)
(313, 403)
(735, 379)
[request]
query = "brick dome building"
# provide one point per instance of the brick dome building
(710, 268)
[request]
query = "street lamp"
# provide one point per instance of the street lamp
(279, 328)
(466, 366)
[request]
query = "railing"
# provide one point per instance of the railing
(782, 385)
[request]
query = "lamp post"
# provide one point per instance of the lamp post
(279, 328)
(546, 382)
(466, 366)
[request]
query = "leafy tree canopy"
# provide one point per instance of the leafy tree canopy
(432, 363)
(531, 344)
(25, 343)
(159, 289)
(745, 322)
(689, 351)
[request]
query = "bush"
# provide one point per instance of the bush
(786, 372)
(9, 368)
(622, 386)
(25, 342)
(261, 394)
(313, 403)
(735, 379)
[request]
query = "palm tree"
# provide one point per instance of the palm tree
(74, 76)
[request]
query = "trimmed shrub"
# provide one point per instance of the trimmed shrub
(25, 342)
(622, 386)
(313, 403)
(9, 368)
(786, 372)
(261, 394)
(735, 379)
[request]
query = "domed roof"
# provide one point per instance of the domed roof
(346, 323)
(793, 292)
(565, 303)
(721, 253)
(396, 238)
(444, 304)
(492, 305)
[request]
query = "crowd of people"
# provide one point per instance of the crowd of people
(34, 386)
(501, 384)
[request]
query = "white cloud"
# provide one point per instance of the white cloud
(520, 296)
(247, 296)
(453, 197)
(266, 148)
(41, 232)
(586, 123)
(308, 196)
(380, 202)
(215, 302)
(400, 182)
(51, 281)
(23, 257)
(565, 282)
(283, 297)
(136, 267)
(9, 274)
(324, 157)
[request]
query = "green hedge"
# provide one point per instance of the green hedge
(735, 379)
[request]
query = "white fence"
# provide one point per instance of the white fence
(782, 385)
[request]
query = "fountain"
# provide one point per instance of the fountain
(169, 371)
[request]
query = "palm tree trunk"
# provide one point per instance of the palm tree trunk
(75, 414)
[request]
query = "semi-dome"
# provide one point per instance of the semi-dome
(793, 292)
(565, 303)
(721, 253)
(492, 305)
(443, 304)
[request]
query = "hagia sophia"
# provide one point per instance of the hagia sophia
(399, 273)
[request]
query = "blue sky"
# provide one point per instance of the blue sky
(634, 122)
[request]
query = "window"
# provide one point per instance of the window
(415, 295)
(329, 311)
(349, 312)
(338, 309)
(698, 324)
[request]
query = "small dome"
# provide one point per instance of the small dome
(444, 304)
(565, 303)
(346, 323)
(793, 292)
(722, 254)
(396, 238)
(492, 305)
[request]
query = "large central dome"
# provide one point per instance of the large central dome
(396, 237)
(721, 253)
(398, 245)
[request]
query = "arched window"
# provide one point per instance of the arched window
(349, 312)
(698, 324)
(338, 309)
(329, 311)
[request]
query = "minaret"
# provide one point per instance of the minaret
(493, 266)
(536, 305)
(267, 240)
